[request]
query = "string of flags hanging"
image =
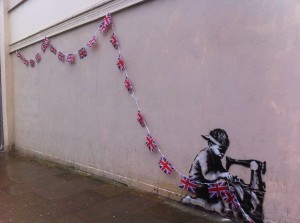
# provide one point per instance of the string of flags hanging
(69, 57)
(218, 189)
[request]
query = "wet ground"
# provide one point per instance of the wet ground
(39, 192)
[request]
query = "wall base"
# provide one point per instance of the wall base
(98, 172)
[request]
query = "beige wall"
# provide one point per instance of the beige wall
(196, 66)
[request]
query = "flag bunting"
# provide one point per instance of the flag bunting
(140, 118)
(114, 41)
(150, 143)
(165, 165)
(188, 184)
(82, 53)
(71, 58)
(38, 57)
(121, 64)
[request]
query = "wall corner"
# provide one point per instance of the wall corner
(6, 76)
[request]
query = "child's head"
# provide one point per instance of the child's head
(218, 141)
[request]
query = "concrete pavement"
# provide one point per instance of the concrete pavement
(42, 192)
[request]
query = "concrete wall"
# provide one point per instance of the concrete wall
(196, 66)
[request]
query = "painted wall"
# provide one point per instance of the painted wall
(196, 66)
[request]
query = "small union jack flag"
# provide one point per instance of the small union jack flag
(25, 61)
(188, 184)
(217, 189)
(128, 85)
(114, 41)
(38, 57)
(150, 143)
(102, 27)
(165, 165)
(53, 49)
(92, 41)
(19, 54)
(140, 119)
(31, 63)
(231, 199)
(61, 56)
(121, 64)
(45, 44)
(43, 47)
(107, 20)
(82, 53)
(71, 58)
(46, 41)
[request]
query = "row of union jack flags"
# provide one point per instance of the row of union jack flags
(164, 164)
(69, 57)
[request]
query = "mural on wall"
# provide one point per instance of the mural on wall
(221, 192)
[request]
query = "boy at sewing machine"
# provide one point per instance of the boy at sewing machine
(207, 168)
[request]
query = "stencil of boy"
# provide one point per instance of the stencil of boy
(207, 168)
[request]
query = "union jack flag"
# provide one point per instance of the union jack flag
(231, 199)
(25, 61)
(82, 53)
(71, 58)
(61, 56)
(38, 57)
(92, 41)
(19, 54)
(188, 184)
(102, 27)
(46, 41)
(107, 20)
(128, 85)
(31, 63)
(217, 189)
(43, 47)
(165, 165)
(114, 41)
(150, 143)
(140, 119)
(53, 49)
(121, 64)
(45, 44)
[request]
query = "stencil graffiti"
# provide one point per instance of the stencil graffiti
(221, 192)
